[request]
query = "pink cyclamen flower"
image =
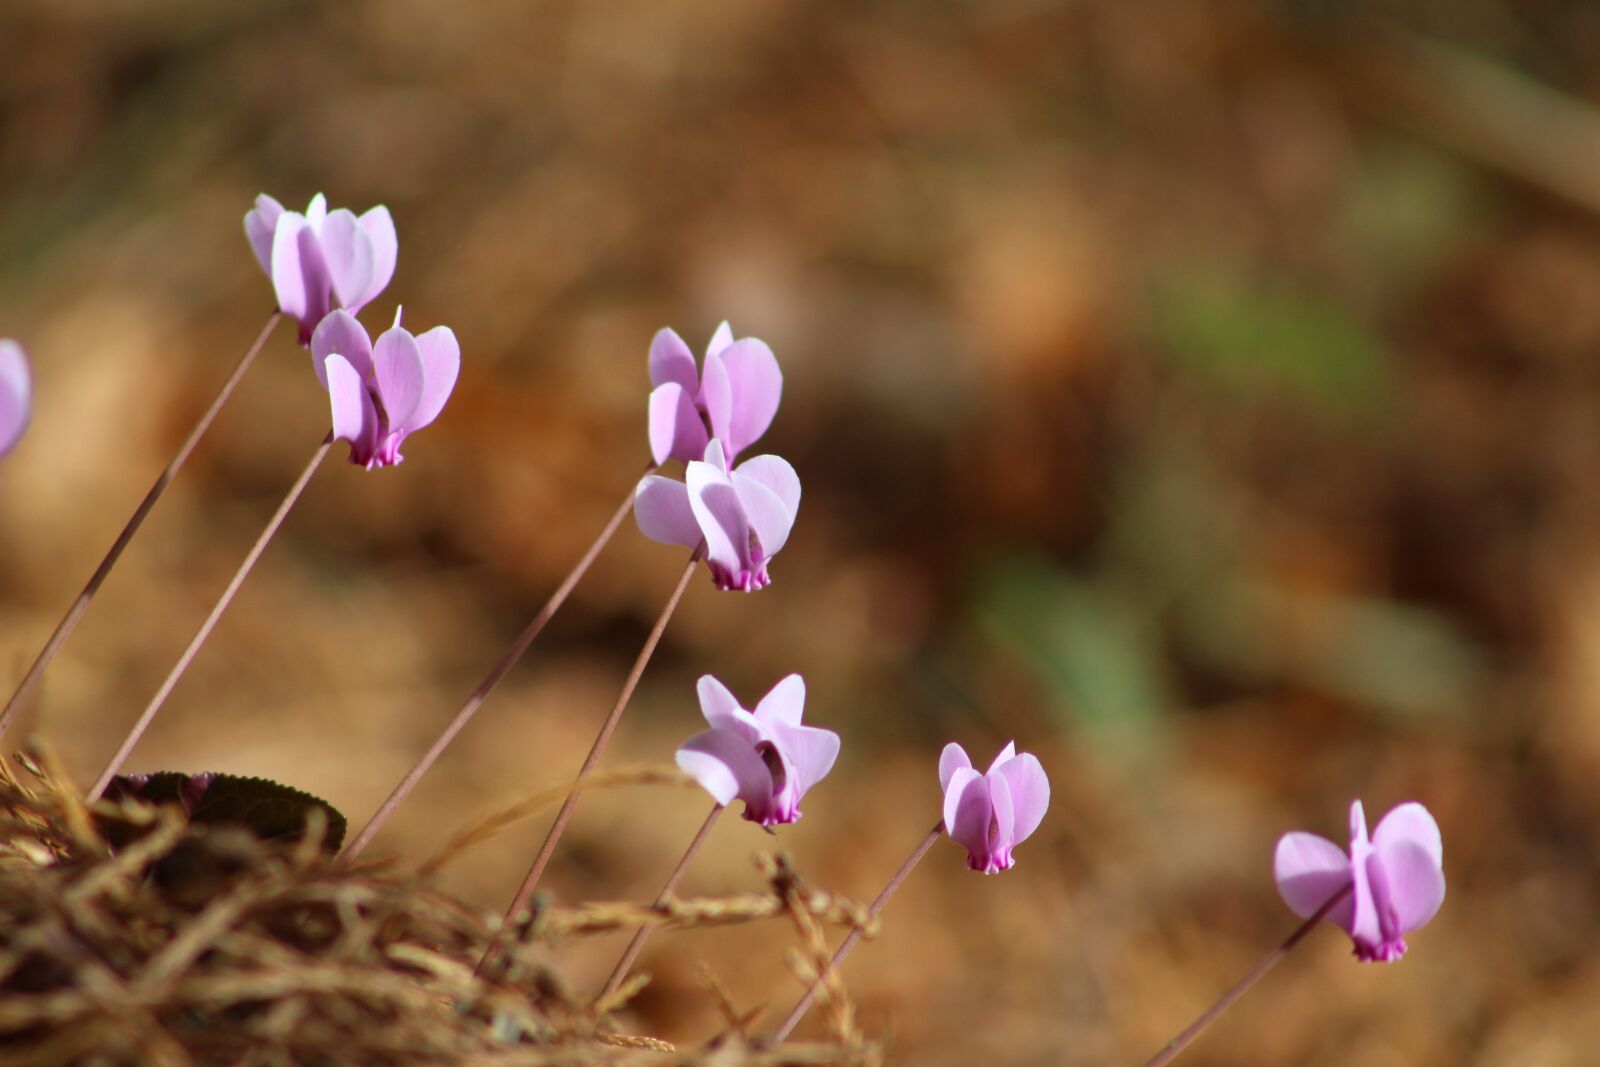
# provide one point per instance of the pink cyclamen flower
(381, 392)
(766, 758)
(992, 813)
(1397, 876)
(322, 259)
(16, 394)
(744, 515)
(736, 393)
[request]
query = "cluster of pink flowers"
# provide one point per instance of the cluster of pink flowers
(325, 267)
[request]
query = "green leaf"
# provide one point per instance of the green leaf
(269, 810)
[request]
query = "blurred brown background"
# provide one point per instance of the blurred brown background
(1205, 394)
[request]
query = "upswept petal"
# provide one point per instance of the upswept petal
(441, 366)
(1030, 792)
(952, 759)
(1415, 882)
(340, 334)
(299, 275)
(784, 702)
(727, 768)
(671, 361)
(16, 394)
(1003, 831)
(397, 370)
(348, 253)
(1309, 869)
(355, 419)
(721, 338)
(259, 224)
(715, 698)
(716, 397)
(1410, 822)
(755, 385)
(1007, 753)
(776, 474)
(676, 429)
(317, 211)
(809, 750)
(968, 810)
(662, 510)
(718, 512)
(764, 513)
(378, 225)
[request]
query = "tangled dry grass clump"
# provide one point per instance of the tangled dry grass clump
(130, 933)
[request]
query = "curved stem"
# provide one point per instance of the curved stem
(531, 880)
(636, 946)
(854, 937)
(1170, 1051)
(149, 713)
(69, 621)
(490, 680)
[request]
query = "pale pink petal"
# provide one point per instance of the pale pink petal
(662, 510)
(441, 365)
(1003, 831)
(716, 397)
(1309, 869)
(299, 275)
(1410, 822)
(811, 751)
(1007, 753)
(671, 361)
(755, 385)
(1415, 882)
(776, 474)
(340, 334)
(378, 225)
(968, 811)
(784, 702)
(259, 224)
(1030, 792)
(721, 518)
(765, 513)
(317, 211)
(952, 759)
(720, 339)
(727, 767)
(676, 429)
(354, 418)
(348, 253)
(715, 697)
(16, 394)
(397, 369)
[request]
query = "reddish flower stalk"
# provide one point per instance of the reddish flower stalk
(69, 621)
(490, 680)
(531, 881)
(149, 713)
(854, 937)
(1170, 1051)
(631, 953)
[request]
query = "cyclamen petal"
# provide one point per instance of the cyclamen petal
(991, 814)
(1395, 879)
(16, 394)
(676, 429)
(767, 759)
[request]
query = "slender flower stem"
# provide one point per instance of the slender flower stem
(636, 946)
(206, 627)
(564, 816)
(1170, 1051)
(490, 680)
(854, 937)
(69, 621)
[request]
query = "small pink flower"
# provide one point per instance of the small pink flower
(766, 759)
(322, 259)
(990, 814)
(1398, 878)
(737, 394)
(382, 392)
(744, 516)
(16, 394)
